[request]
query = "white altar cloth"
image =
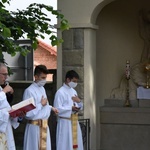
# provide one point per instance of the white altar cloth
(143, 93)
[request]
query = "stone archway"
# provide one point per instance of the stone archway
(118, 40)
(98, 9)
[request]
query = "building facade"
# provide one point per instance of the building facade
(47, 55)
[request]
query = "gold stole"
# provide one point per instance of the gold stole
(43, 134)
(3, 141)
(74, 120)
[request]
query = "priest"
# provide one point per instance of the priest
(6, 122)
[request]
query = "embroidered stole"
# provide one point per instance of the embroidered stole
(43, 127)
(43, 134)
(3, 141)
(74, 120)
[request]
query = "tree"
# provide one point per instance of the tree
(31, 22)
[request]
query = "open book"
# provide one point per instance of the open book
(23, 106)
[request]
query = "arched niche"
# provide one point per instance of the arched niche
(118, 40)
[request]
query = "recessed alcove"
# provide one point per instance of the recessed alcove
(118, 40)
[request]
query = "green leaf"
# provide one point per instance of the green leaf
(64, 25)
(4, 1)
(6, 32)
(35, 44)
(32, 22)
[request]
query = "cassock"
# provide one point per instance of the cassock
(63, 102)
(32, 132)
(6, 122)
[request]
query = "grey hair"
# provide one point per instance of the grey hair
(2, 65)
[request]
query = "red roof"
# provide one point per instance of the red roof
(47, 47)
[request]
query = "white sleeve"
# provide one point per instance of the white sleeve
(4, 118)
(14, 122)
(64, 111)
(4, 115)
(2, 95)
(40, 111)
(80, 105)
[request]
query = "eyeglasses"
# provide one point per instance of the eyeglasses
(4, 74)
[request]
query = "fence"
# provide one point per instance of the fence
(85, 128)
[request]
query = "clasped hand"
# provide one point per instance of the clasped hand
(22, 114)
(76, 109)
(44, 101)
(76, 99)
(55, 110)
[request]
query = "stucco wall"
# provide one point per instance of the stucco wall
(78, 7)
(118, 40)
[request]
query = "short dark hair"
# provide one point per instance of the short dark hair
(72, 74)
(40, 69)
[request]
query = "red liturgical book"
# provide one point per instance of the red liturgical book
(23, 106)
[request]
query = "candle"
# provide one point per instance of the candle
(128, 69)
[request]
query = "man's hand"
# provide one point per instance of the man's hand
(76, 99)
(55, 110)
(22, 114)
(44, 101)
(7, 89)
(74, 108)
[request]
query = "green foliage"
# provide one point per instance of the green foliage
(31, 22)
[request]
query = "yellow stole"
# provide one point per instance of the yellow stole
(43, 134)
(74, 120)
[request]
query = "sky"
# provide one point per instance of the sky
(22, 4)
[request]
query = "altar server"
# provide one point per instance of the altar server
(37, 134)
(68, 136)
